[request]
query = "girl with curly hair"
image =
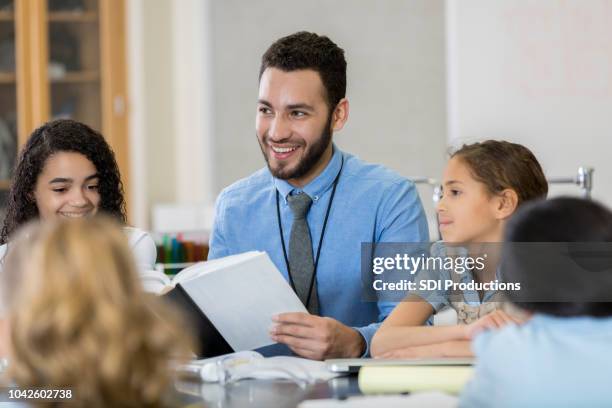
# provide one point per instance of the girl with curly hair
(67, 170)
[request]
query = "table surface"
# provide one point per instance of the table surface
(244, 393)
(263, 393)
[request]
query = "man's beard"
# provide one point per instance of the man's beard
(311, 156)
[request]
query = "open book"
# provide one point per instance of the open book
(229, 302)
(165, 284)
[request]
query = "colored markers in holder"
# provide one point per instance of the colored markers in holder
(175, 253)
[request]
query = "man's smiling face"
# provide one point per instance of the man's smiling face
(294, 124)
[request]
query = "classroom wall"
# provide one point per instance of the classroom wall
(423, 74)
(156, 103)
(538, 73)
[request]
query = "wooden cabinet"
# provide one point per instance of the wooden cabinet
(62, 58)
(8, 97)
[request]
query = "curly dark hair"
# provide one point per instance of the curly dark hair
(62, 135)
(304, 50)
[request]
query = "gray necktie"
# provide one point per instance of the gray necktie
(301, 261)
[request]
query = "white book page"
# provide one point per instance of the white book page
(201, 268)
(154, 281)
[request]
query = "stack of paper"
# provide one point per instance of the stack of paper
(250, 364)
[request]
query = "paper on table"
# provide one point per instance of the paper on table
(207, 369)
(418, 400)
(250, 364)
(378, 380)
(289, 367)
(240, 300)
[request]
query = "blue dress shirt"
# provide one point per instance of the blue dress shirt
(372, 204)
(546, 362)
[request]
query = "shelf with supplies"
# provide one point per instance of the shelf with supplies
(75, 77)
(8, 99)
(8, 78)
(72, 17)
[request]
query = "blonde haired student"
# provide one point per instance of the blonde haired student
(74, 316)
(483, 184)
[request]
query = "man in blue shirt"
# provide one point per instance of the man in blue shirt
(345, 202)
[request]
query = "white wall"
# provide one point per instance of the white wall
(170, 113)
(194, 112)
(539, 73)
(151, 106)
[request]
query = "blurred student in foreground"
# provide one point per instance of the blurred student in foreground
(73, 315)
(561, 356)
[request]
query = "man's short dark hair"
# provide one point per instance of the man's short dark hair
(304, 50)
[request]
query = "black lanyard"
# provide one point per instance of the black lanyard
(282, 237)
